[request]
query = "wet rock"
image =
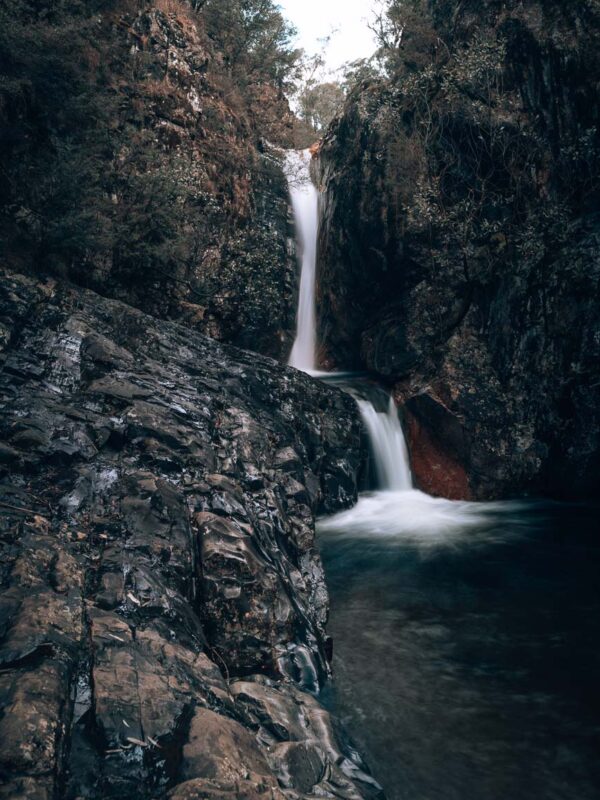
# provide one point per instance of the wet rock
(222, 755)
(300, 742)
(301, 765)
(434, 466)
(99, 355)
(166, 553)
(34, 710)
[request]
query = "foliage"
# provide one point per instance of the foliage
(252, 261)
(406, 37)
(96, 181)
(152, 198)
(54, 115)
(320, 103)
(472, 167)
(357, 72)
(255, 40)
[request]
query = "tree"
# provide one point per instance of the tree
(54, 130)
(407, 40)
(320, 103)
(255, 39)
(355, 72)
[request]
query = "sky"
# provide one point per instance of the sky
(315, 19)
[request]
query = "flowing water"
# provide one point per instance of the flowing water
(466, 635)
(466, 656)
(305, 201)
(385, 433)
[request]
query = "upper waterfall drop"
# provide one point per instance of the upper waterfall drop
(305, 204)
(387, 440)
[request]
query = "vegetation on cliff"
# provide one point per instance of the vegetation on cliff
(483, 136)
(131, 152)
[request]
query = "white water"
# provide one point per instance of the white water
(416, 517)
(388, 445)
(397, 510)
(305, 201)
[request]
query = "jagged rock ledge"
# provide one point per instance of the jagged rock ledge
(162, 604)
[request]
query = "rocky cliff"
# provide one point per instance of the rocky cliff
(138, 163)
(460, 241)
(162, 602)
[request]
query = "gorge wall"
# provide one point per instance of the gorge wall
(460, 241)
(162, 603)
(162, 600)
(135, 147)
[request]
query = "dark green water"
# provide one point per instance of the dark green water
(467, 661)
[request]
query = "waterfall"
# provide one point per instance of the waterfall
(384, 428)
(305, 200)
(397, 510)
(388, 445)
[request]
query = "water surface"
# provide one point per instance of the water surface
(466, 646)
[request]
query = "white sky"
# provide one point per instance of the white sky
(315, 19)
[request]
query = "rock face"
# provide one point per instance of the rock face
(162, 603)
(190, 218)
(240, 281)
(460, 240)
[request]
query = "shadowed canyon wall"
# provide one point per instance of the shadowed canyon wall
(460, 240)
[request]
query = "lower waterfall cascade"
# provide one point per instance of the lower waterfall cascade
(388, 444)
